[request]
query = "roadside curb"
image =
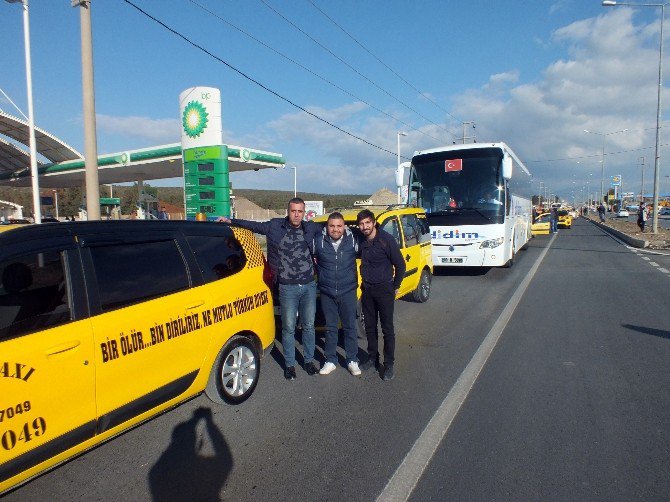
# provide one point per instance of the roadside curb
(638, 243)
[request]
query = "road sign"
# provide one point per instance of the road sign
(616, 180)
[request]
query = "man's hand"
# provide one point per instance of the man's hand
(396, 292)
(223, 219)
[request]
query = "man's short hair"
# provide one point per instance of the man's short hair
(335, 215)
(295, 200)
(365, 214)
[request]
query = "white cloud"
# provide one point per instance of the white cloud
(607, 83)
(156, 130)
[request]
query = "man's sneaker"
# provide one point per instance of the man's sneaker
(369, 364)
(388, 373)
(311, 368)
(289, 373)
(327, 368)
(353, 368)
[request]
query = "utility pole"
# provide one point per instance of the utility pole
(90, 141)
(473, 137)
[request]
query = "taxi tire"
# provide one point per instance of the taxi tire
(238, 347)
(422, 291)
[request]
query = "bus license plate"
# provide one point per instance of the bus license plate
(452, 260)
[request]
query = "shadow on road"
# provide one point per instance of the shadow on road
(184, 471)
(661, 333)
(460, 271)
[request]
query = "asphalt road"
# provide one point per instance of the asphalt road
(572, 404)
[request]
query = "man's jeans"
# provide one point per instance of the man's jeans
(294, 299)
(342, 308)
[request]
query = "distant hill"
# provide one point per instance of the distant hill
(276, 199)
(69, 199)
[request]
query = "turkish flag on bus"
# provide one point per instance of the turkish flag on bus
(453, 165)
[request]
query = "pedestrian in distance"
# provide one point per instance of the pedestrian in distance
(554, 219)
(642, 216)
(289, 254)
(335, 252)
(601, 212)
(382, 271)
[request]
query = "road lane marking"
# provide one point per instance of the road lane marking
(664, 270)
(407, 475)
(646, 258)
(654, 264)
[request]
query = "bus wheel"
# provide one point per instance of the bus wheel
(510, 263)
(422, 291)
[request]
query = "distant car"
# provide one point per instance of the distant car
(541, 225)
(623, 213)
(665, 211)
(564, 219)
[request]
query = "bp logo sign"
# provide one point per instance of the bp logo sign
(194, 119)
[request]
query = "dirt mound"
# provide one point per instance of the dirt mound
(660, 240)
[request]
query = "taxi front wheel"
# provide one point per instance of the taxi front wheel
(235, 372)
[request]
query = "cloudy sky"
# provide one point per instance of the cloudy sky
(532, 73)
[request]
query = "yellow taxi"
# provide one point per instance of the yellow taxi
(103, 325)
(564, 219)
(408, 225)
(541, 225)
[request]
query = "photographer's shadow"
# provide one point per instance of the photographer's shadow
(184, 471)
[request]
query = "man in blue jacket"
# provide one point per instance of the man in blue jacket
(290, 259)
(335, 251)
(382, 269)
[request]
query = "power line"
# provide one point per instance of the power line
(300, 65)
(380, 61)
(351, 67)
(251, 79)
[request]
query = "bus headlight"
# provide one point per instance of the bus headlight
(491, 243)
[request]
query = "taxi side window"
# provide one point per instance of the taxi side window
(424, 230)
(409, 228)
(391, 226)
(217, 257)
(132, 273)
(34, 294)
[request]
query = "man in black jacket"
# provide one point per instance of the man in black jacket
(382, 269)
(290, 259)
(335, 251)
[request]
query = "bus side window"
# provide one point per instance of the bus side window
(508, 198)
(391, 226)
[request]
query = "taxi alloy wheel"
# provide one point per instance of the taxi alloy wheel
(237, 370)
(422, 291)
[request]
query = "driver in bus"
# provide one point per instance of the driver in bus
(442, 199)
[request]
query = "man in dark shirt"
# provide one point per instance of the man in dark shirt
(382, 270)
(290, 260)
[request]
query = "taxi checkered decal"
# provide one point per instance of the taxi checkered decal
(251, 248)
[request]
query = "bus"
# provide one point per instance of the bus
(477, 200)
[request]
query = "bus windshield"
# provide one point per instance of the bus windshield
(463, 186)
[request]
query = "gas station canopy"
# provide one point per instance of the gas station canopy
(67, 167)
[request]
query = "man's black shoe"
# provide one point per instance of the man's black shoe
(388, 373)
(289, 373)
(369, 364)
(311, 368)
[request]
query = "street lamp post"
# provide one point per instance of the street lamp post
(37, 209)
(295, 180)
(657, 155)
(400, 133)
(602, 167)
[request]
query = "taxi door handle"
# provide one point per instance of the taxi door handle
(64, 347)
(407, 258)
(195, 305)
